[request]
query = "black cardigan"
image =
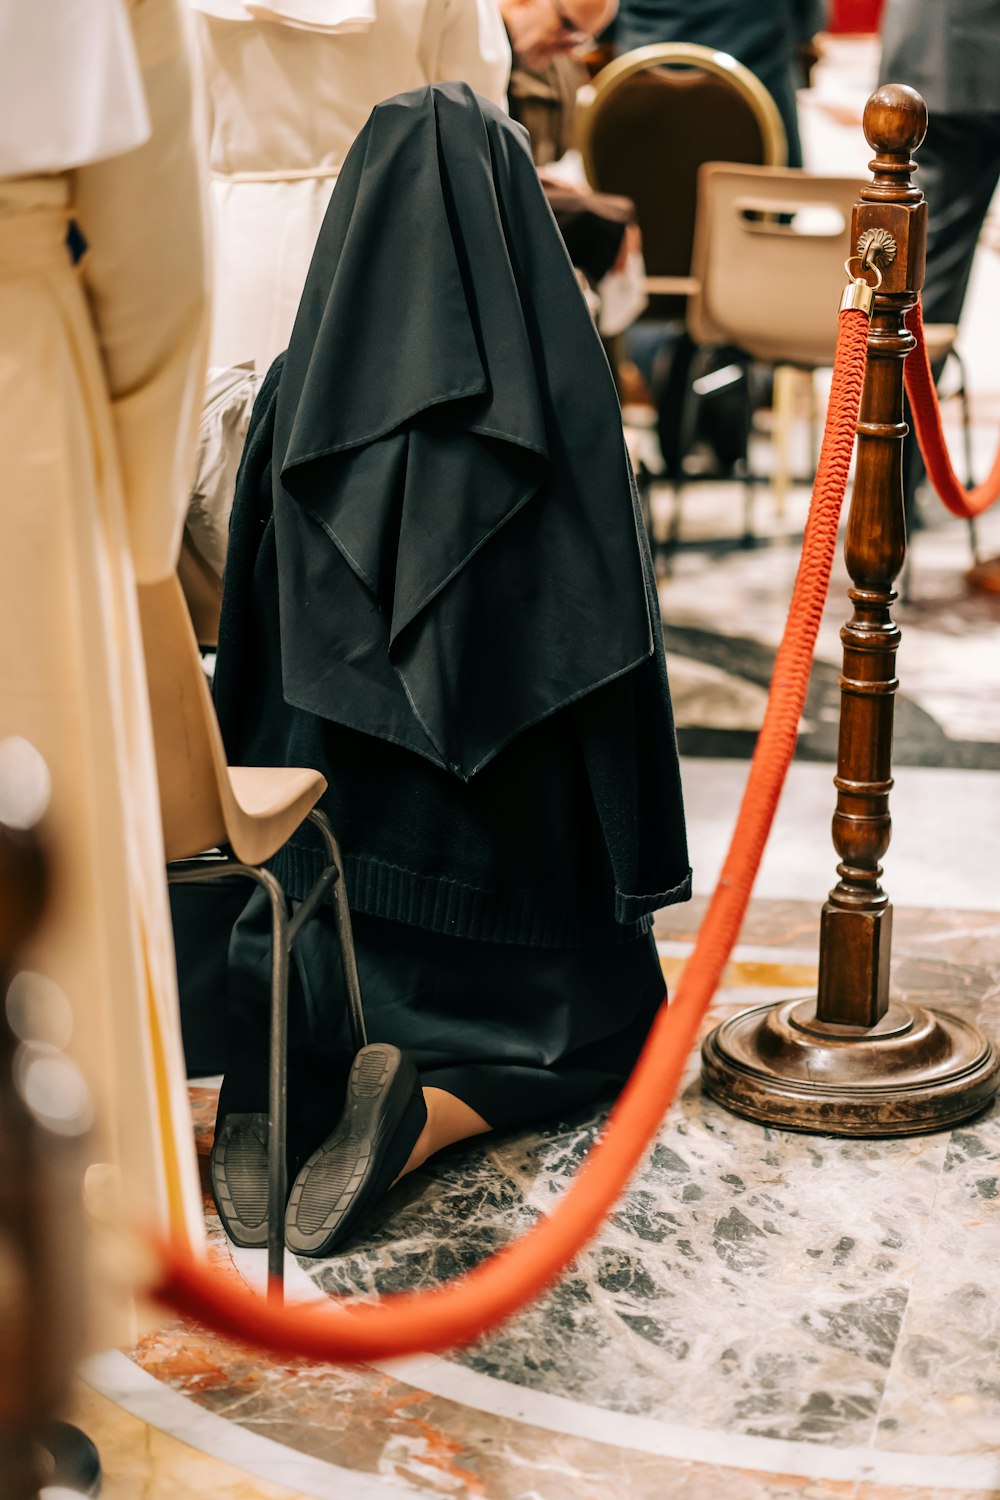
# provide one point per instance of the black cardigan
(438, 591)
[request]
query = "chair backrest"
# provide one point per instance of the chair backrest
(656, 114)
(195, 794)
(770, 246)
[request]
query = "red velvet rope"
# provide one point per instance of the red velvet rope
(465, 1308)
(930, 434)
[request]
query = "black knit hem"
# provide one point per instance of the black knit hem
(519, 916)
(632, 908)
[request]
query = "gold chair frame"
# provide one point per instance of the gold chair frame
(611, 79)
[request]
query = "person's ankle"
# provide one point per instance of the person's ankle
(423, 1146)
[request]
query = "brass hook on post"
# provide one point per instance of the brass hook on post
(858, 293)
(876, 250)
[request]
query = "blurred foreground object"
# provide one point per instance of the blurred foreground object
(102, 363)
(44, 1110)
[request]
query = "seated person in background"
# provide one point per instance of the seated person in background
(545, 36)
(439, 594)
(599, 229)
(225, 417)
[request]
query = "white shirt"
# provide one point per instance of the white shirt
(288, 98)
(71, 88)
(288, 93)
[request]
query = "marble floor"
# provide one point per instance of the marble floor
(765, 1315)
(724, 608)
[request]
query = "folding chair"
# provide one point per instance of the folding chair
(220, 821)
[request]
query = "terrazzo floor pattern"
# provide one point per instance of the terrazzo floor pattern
(765, 1315)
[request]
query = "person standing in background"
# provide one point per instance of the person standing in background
(764, 35)
(101, 373)
(949, 50)
(290, 84)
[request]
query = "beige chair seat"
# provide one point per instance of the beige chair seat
(270, 803)
(205, 803)
(769, 253)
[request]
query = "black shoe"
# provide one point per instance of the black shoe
(238, 1170)
(75, 1462)
(383, 1115)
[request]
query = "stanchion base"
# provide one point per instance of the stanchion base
(917, 1070)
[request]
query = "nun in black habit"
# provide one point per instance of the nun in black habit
(439, 594)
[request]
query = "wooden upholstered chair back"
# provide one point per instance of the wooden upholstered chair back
(768, 260)
(656, 115)
(190, 759)
(205, 803)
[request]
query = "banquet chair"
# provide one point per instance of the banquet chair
(221, 821)
(656, 114)
(768, 258)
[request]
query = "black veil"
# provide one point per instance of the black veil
(436, 548)
(457, 540)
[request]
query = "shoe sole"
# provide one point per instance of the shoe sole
(311, 1228)
(238, 1166)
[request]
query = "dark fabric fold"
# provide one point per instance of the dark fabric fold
(570, 837)
(448, 451)
(498, 740)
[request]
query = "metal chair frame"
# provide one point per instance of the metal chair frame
(285, 929)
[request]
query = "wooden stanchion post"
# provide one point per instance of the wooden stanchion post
(852, 1061)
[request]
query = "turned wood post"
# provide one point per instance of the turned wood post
(853, 1060)
(890, 224)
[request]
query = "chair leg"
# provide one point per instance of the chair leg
(783, 408)
(284, 930)
(345, 937)
(814, 426)
(963, 395)
(749, 537)
(277, 1102)
(674, 525)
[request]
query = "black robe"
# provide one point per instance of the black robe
(439, 594)
(438, 590)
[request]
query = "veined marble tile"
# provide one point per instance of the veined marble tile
(906, 1492)
(943, 1394)
(142, 1463)
(751, 1285)
(949, 684)
(751, 1280)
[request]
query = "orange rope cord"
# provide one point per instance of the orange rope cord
(463, 1309)
(930, 434)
